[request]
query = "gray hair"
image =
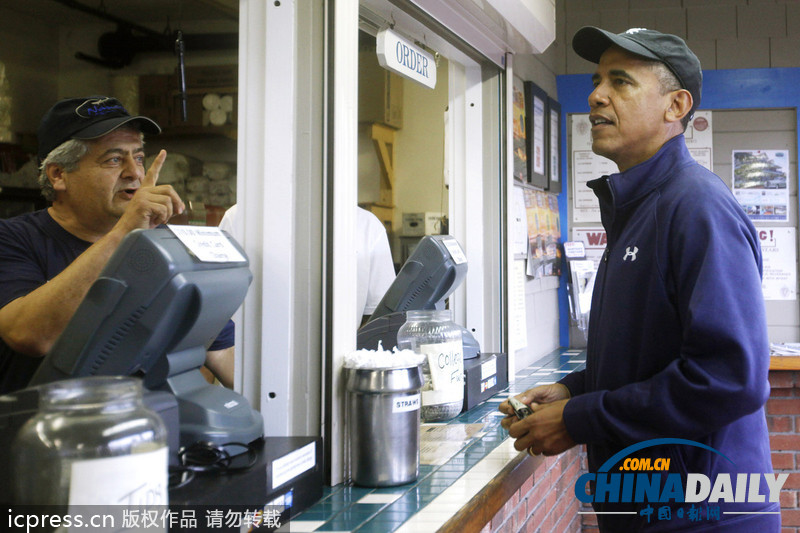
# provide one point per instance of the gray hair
(669, 82)
(67, 155)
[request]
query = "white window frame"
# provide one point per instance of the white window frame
(270, 161)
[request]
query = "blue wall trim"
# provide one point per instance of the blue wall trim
(722, 89)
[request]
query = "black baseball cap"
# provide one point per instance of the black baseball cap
(590, 43)
(89, 117)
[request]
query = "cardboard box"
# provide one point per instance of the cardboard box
(485, 376)
(380, 92)
(419, 224)
(216, 77)
(194, 110)
(154, 98)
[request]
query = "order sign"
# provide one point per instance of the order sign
(399, 55)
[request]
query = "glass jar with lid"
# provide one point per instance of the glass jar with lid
(434, 335)
(92, 442)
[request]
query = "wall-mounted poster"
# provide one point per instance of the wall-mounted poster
(536, 113)
(544, 234)
(586, 165)
(699, 138)
(779, 250)
(519, 224)
(760, 183)
(519, 129)
(554, 161)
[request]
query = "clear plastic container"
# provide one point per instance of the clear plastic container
(92, 442)
(434, 335)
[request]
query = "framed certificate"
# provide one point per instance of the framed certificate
(554, 149)
(520, 132)
(536, 115)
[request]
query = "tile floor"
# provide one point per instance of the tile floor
(440, 490)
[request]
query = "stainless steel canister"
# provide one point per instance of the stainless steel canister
(383, 424)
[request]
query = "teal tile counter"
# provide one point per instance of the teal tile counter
(441, 490)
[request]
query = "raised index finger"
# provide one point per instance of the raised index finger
(151, 177)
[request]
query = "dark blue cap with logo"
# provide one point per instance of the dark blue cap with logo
(590, 43)
(89, 117)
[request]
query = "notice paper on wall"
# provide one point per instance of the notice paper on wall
(586, 166)
(518, 321)
(698, 135)
(519, 224)
(761, 183)
(594, 241)
(779, 253)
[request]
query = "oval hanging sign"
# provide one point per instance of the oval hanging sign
(397, 54)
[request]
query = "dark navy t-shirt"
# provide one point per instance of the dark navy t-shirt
(33, 250)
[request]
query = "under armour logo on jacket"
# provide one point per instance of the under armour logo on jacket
(631, 253)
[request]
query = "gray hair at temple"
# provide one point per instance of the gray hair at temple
(67, 155)
(668, 82)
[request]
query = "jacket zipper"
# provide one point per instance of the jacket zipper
(606, 253)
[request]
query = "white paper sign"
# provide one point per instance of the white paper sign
(555, 131)
(586, 166)
(583, 273)
(574, 250)
(519, 224)
(518, 321)
(455, 250)
(293, 464)
(538, 154)
(698, 137)
(446, 363)
(208, 244)
(135, 480)
(594, 240)
(489, 368)
(779, 253)
(406, 404)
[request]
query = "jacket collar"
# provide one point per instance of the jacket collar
(637, 181)
(622, 188)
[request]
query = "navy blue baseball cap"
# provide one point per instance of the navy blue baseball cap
(590, 43)
(86, 118)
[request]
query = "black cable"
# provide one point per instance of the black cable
(179, 477)
(208, 457)
(204, 458)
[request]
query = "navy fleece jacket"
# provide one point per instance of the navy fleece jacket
(677, 343)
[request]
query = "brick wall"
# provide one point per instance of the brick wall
(783, 420)
(546, 502)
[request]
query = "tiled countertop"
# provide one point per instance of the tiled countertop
(440, 490)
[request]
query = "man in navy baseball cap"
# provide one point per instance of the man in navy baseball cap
(677, 355)
(85, 118)
(590, 43)
(92, 171)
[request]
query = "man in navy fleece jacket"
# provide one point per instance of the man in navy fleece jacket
(677, 345)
